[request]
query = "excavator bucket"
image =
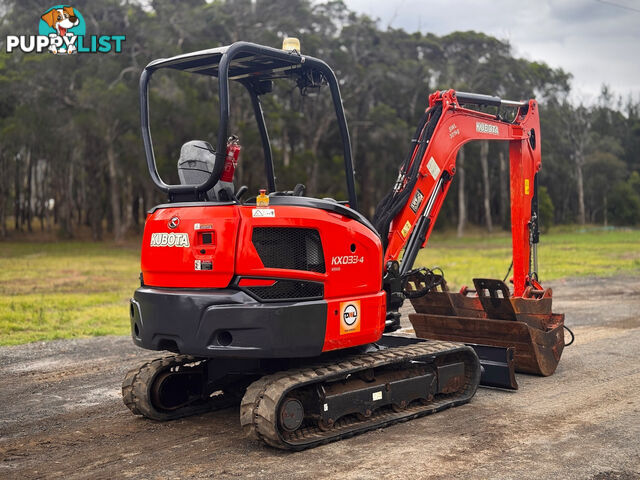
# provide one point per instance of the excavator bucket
(489, 315)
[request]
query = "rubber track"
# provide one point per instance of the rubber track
(136, 388)
(259, 407)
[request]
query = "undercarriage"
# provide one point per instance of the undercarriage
(312, 402)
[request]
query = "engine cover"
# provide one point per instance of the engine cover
(282, 256)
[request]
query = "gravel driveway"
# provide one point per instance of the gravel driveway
(61, 416)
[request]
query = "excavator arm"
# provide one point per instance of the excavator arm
(519, 321)
(425, 177)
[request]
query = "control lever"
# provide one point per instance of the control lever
(241, 191)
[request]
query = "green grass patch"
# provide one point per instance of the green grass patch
(80, 289)
(65, 290)
(580, 252)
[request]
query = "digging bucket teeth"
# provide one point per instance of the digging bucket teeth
(488, 315)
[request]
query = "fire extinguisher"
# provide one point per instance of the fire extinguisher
(224, 189)
(231, 160)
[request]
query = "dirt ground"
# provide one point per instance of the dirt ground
(61, 416)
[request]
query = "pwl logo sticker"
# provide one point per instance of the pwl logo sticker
(61, 30)
(169, 240)
(417, 200)
(482, 127)
(349, 317)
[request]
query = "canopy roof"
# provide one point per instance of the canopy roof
(266, 63)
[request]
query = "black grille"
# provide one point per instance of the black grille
(292, 248)
(288, 289)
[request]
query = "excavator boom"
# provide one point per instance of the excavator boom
(520, 321)
(435, 159)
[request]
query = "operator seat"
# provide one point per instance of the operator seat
(196, 162)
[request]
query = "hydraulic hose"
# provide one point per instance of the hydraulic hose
(395, 200)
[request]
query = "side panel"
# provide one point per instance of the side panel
(351, 277)
(352, 252)
(355, 321)
(170, 255)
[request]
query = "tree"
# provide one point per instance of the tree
(624, 206)
(578, 127)
(545, 208)
(99, 180)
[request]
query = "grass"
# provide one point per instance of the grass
(562, 253)
(80, 289)
(65, 290)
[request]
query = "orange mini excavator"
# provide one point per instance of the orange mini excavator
(279, 302)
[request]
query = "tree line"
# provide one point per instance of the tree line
(71, 156)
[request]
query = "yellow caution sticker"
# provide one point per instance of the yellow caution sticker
(349, 317)
(405, 229)
(526, 186)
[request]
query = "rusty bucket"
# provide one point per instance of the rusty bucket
(488, 315)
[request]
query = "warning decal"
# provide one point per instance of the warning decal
(263, 212)
(433, 168)
(405, 229)
(417, 200)
(349, 317)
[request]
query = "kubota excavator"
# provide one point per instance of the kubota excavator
(279, 302)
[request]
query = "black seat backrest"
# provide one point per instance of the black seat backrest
(196, 162)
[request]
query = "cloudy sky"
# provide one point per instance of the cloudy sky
(598, 41)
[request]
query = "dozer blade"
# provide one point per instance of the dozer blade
(494, 318)
(497, 366)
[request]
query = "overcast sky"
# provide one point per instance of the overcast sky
(598, 41)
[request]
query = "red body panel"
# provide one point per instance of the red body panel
(352, 255)
(372, 313)
(359, 274)
(173, 266)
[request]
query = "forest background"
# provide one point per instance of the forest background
(71, 158)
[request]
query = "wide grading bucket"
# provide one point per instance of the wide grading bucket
(488, 315)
